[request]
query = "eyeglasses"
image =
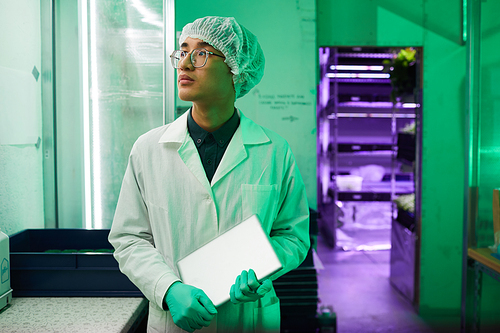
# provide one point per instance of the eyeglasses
(198, 57)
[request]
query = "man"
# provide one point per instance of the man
(189, 181)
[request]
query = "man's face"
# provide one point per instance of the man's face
(208, 84)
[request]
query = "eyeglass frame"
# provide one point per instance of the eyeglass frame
(191, 57)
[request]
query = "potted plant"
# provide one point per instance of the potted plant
(403, 73)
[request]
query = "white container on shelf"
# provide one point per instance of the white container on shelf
(5, 290)
(349, 182)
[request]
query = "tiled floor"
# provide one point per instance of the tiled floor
(357, 285)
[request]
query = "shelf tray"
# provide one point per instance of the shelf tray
(85, 268)
(483, 255)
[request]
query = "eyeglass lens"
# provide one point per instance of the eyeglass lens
(198, 57)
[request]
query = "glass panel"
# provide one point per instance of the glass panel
(125, 92)
(480, 291)
(489, 122)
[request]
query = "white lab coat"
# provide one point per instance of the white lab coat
(167, 209)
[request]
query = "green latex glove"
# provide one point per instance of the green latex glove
(248, 289)
(190, 307)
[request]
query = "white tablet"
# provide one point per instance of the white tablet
(214, 267)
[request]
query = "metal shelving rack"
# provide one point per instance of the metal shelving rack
(360, 91)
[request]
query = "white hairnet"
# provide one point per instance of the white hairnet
(240, 47)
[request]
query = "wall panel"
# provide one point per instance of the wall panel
(21, 168)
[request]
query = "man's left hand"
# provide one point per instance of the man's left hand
(248, 289)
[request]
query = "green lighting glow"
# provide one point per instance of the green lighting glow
(464, 20)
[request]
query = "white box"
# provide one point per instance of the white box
(5, 290)
(349, 182)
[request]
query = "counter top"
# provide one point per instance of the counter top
(72, 314)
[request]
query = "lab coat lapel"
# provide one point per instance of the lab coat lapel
(189, 154)
(177, 133)
(234, 155)
(248, 133)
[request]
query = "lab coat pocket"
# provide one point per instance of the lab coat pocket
(261, 200)
(267, 318)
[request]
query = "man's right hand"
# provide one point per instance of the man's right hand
(190, 307)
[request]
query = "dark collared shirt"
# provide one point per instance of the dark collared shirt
(211, 146)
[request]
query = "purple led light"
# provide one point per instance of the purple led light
(367, 55)
(356, 68)
(359, 75)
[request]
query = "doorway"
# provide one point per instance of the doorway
(369, 120)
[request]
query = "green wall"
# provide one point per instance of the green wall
(422, 23)
(285, 99)
(21, 169)
(443, 168)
